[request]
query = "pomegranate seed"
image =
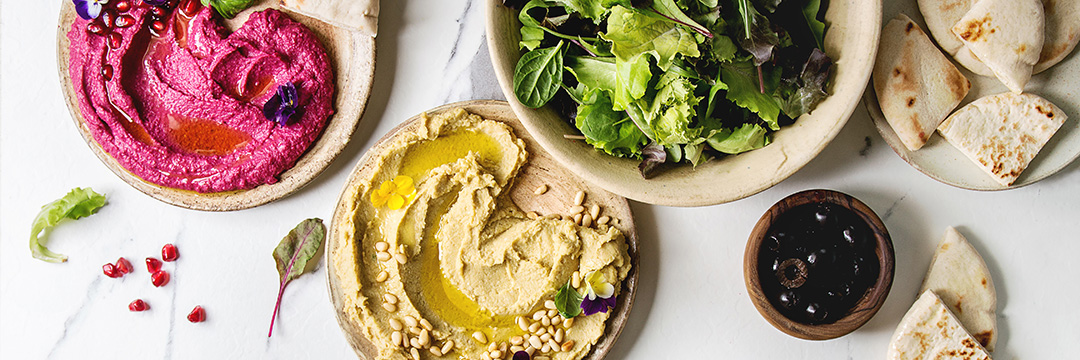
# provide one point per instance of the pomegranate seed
(152, 265)
(157, 25)
(123, 6)
(95, 28)
(138, 305)
(110, 271)
(107, 72)
(197, 315)
(159, 278)
(157, 11)
(107, 17)
(122, 264)
(169, 253)
(124, 21)
(114, 40)
(191, 7)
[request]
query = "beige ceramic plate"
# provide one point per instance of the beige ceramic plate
(941, 161)
(851, 41)
(540, 169)
(353, 62)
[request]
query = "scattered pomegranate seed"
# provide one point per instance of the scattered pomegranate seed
(169, 253)
(138, 305)
(191, 7)
(124, 21)
(157, 25)
(197, 315)
(107, 72)
(123, 6)
(95, 28)
(107, 17)
(122, 265)
(152, 265)
(110, 271)
(114, 40)
(157, 11)
(159, 278)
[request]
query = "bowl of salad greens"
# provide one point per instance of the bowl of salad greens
(683, 102)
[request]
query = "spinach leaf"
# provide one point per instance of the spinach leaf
(228, 8)
(607, 129)
(293, 256)
(568, 301)
(538, 75)
(78, 203)
(633, 33)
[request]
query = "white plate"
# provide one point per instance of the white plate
(941, 161)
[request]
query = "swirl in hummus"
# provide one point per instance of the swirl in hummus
(465, 259)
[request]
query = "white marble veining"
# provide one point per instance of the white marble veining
(691, 303)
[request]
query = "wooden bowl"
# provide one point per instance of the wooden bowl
(352, 59)
(863, 310)
(540, 169)
(851, 41)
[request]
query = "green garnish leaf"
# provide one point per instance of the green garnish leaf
(229, 8)
(745, 138)
(538, 75)
(294, 253)
(78, 203)
(810, 12)
(590, 9)
(568, 301)
(744, 90)
(607, 129)
(633, 33)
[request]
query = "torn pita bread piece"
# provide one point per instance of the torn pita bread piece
(356, 15)
(930, 331)
(941, 16)
(1007, 35)
(959, 276)
(1062, 32)
(916, 85)
(1002, 133)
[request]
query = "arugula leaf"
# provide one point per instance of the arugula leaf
(810, 12)
(744, 90)
(294, 253)
(801, 94)
(608, 129)
(568, 301)
(78, 203)
(743, 139)
(538, 75)
(633, 33)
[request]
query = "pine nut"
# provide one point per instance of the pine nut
(382, 256)
(538, 315)
(541, 358)
(496, 354)
(586, 221)
(540, 190)
(390, 298)
(401, 258)
(577, 209)
(546, 321)
(530, 350)
(410, 321)
(480, 337)
(551, 313)
(569, 344)
(594, 211)
(492, 346)
(517, 340)
(487, 356)
(545, 349)
(447, 346)
(603, 220)
(541, 331)
(514, 349)
(532, 215)
(396, 324)
(550, 304)
(415, 343)
(382, 246)
(415, 354)
(425, 338)
(382, 276)
(577, 219)
(414, 330)
(389, 307)
(395, 338)
(535, 342)
(550, 330)
(503, 346)
(568, 323)
(559, 335)
(556, 320)
(575, 280)
(534, 327)
(579, 198)
(426, 325)
(435, 351)
(554, 345)
(545, 337)
(522, 323)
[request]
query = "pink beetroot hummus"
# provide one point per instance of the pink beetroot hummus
(179, 103)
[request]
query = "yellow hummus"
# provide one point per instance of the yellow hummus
(458, 257)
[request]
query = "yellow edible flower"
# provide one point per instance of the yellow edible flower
(395, 193)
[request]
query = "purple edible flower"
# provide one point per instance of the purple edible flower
(521, 355)
(282, 106)
(596, 305)
(155, 2)
(88, 9)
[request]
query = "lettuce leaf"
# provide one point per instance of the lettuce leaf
(743, 139)
(673, 110)
(78, 203)
(802, 93)
(633, 33)
(744, 90)
(591, 9)
(817, 28)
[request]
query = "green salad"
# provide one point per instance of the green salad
(670, 81)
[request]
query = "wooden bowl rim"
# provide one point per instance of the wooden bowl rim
(863, 310)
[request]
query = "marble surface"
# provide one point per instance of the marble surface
(691, 304)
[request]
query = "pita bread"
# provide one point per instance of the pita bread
(930, 331)
(941, 16)
(1002, 133)
(916, 85)
(357, 15)
(1007, 35)
(960, 278)
(1062, 32)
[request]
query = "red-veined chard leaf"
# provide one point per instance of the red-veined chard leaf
(294, 255)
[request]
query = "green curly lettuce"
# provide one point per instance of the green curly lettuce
(78, 203)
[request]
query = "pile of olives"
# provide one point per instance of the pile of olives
(816, 261)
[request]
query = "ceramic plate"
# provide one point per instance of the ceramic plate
(941, 161)
(540, 169)
(352, 58)
(851, 41)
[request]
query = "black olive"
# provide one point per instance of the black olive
(823, 216)
(772, 242)
(788, 299)
(815, 312)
